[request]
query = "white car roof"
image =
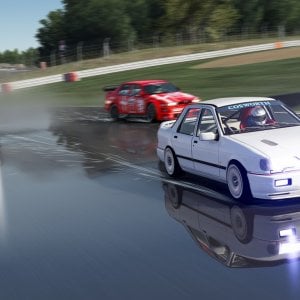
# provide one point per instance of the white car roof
(234, 100)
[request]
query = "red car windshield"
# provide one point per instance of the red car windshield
(160, 88)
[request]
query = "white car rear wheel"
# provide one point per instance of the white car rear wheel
(237, 182)
(171, 163)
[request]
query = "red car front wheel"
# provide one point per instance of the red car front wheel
(114, 113)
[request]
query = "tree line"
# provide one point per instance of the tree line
(94, 21)
(27, 58)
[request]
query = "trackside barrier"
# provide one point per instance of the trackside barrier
(71, 77)
(35, 82)
(151, 63)
(6, 88)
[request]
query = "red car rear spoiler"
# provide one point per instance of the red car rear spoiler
(110, 88)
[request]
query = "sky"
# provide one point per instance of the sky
(19, 22)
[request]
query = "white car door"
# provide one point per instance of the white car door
(205, 152)
(182, 139)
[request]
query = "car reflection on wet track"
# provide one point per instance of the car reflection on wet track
(105, 143)
(236, 235)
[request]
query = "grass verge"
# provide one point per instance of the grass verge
(262, 79)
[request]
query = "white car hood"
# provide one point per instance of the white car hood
(280, 145)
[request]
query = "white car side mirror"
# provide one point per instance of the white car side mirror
(208, 136)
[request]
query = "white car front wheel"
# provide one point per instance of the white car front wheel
(237, 182)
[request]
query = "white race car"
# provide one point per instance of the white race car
(251, 144)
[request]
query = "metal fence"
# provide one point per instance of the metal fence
(95, 49)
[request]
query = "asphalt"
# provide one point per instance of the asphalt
(87, 212)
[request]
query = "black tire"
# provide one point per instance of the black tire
(237, 182)
(242, 225)
(114, 113)
(171, 163)
(151, 113)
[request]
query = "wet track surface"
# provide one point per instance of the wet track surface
(86, 212)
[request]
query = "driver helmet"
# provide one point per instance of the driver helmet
(258, 116)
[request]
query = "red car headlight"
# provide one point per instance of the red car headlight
(168, 104)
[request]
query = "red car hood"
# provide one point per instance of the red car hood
(178, 97)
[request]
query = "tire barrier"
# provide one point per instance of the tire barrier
(43, 65)
(71, 77)
(6, 88)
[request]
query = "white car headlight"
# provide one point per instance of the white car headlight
(265, 164)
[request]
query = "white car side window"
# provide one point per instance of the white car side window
(189, 121)
(207, 122)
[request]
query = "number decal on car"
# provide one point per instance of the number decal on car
(140, 105)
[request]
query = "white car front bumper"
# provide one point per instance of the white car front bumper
(275, 186)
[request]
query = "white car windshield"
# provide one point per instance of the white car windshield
(255, 116)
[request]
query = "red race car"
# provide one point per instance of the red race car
(156, 100)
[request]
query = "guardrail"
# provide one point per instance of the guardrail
(7, 87)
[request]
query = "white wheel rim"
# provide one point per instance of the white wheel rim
(235, 181)
(169, 162)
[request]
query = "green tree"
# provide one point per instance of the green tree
(51, 32)
(180, 13)
(223, 20)
(137, 12)
(256, 15)
(30, 57)
(282, 13)
(156, 12)
(92, 21)
(145, 17)
(11, 57)
(95, 20)
(251, 14)
(212, 16)
(292, 17)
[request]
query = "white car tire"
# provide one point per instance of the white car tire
(237, 182)
(171, 164)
